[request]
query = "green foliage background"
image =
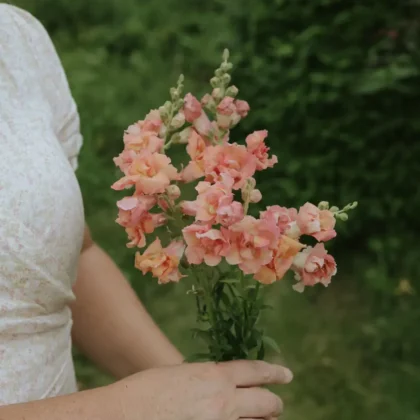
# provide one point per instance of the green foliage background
(337, 84)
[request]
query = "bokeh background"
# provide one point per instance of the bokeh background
(337, 84)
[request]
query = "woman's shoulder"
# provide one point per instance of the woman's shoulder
(13, 18)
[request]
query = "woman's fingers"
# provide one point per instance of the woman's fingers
(246, 373)
(258, 403)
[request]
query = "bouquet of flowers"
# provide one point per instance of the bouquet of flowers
(213, 242)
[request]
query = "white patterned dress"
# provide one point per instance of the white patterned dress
(41, 213)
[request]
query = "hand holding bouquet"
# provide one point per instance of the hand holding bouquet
(226, 253)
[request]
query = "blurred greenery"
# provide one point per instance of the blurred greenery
(337, 84)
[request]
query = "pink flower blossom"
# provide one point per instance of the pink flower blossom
(314, 265)
(232, 159)
(150, 172)
(214, 203)
(242, 108)
(192, 108)
(163, 263)
(281, 262)
(195, 149)
(202, 124)
(251, 243)
(152, 122)
(230, 111)
(204, 244)
(230, 214)
(131, 209)
(256, 146)
(125, 159)
(315, 222)
(285, 219)
(195, 114)
(137, 138)
(146, 224)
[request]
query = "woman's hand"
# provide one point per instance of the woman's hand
(207, 391)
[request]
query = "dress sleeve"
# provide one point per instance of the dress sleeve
(54, 84)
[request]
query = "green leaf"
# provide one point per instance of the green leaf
(261, 351)
(270, 342)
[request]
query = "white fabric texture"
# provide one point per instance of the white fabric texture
(41, 213)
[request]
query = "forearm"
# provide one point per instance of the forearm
(97, 404)
(110, 323)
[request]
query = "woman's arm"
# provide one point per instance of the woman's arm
(97, 404)
(110, 324)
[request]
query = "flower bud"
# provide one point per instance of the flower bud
(178, 121)
(214, 81)
(324, 205)
(247, 189)
(174, 94)
(334, 209)
(342, 216)
(226, 66)
(219, 73)
(225, 55)
(217, 93)
(226, 78)
(184, 135)
(232, 91)
(255, 196)
(173, 191)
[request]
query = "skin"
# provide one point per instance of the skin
(128, 341)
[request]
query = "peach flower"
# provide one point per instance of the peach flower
(204, 244)
(281, 262)
(230, 214)
(146, 224)
(251, 243)
(192, 107)
(256, 146)
(232, 159)
(152, 122)
(226, 114)
(150, 172)
(314, 265)
(195, 149)
(242, 108)
(131, 209)
(163, 263)
(138, 139)
(194, 114)
(315, 222)
(285, 219)
(125, 159)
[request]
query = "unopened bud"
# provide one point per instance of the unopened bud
(334, 209)
(173, 192)
(255, 196)
(226, 67)
(219, 72)
(323, 205)
(225, 54)
(164, 114)
(217, 93)
(226, 78)
(174, 94)
(248, 188)
(342, 216)
(214, 81)
(232, 91)
(178, 121)
(183, 136)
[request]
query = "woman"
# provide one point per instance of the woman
(45, 246)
